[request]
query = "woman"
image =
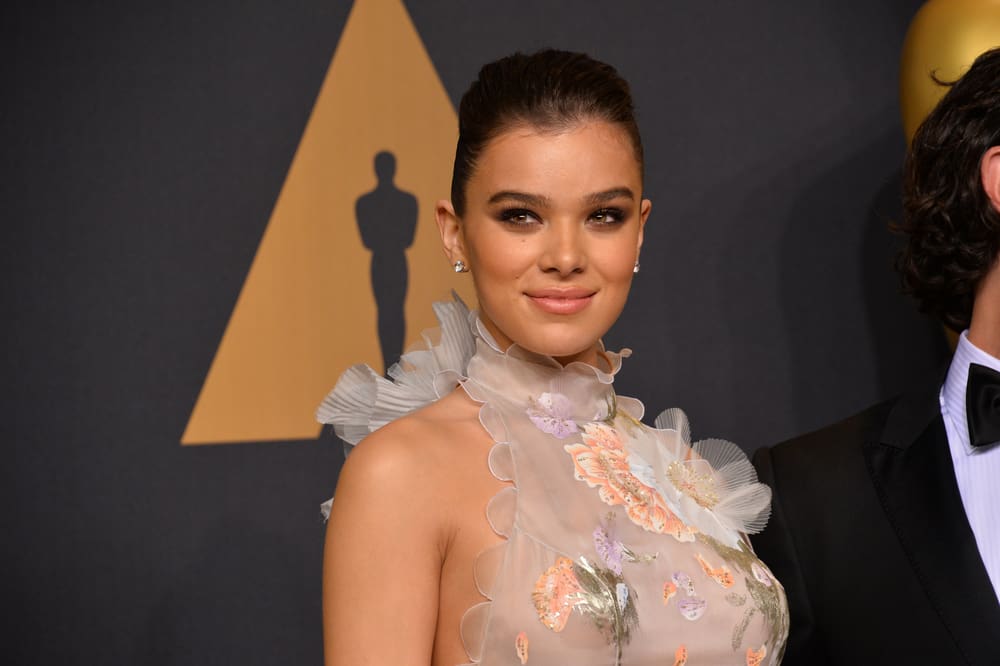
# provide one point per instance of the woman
(527, 516)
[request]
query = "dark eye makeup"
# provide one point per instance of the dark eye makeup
(517, 217)
(608, 216)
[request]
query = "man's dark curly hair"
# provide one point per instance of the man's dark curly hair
(953, 230)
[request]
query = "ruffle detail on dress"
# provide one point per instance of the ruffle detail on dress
(500, 511)
(474, 624)
(631, 406)
(710, 484)
(487, 378)
(518, 355)
(363, 401)
(500, 514)
(502, 462)
(487, 567)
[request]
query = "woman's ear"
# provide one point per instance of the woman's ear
(989, 169)
(450, 228)
(645, 206)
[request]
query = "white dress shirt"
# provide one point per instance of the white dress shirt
(977, 470)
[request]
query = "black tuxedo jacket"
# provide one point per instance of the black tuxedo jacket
(869, 537)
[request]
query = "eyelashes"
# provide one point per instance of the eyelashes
(608, 216)
(517, 217)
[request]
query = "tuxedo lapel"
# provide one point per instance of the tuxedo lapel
(910, 464)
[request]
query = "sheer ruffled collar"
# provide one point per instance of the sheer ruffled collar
(577, 391)
(713, 485)
(462, 351)
(612, 361)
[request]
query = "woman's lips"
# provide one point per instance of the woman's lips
(562, 302)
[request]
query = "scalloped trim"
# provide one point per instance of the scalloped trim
(500, 513)
(501, 510)
(613, 359)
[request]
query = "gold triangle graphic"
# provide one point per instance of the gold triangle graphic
(306, 310)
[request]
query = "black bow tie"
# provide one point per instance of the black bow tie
(982, 405)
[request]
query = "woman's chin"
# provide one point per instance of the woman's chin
(567, 352)
(567, 339)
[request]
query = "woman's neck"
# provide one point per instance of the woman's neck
(593, 355)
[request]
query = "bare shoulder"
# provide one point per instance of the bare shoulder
(392, 525)
(416, 458)
(417, 444)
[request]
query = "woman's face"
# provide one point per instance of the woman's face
(551, 233)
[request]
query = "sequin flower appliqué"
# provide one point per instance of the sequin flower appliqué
(603, 462)
(708, 487)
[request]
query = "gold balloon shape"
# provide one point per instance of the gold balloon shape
(943, 40)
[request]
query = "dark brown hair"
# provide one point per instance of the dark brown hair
(549, 90)
(953, 229)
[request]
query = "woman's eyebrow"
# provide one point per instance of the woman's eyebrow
(608, 195)
(536, 200)
(541, 201)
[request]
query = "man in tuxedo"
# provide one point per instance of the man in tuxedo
(885, 528)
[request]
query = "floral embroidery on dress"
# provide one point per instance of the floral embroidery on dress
(669, 590)
(768, 599)
(612, 551)
(601, 461)
(599, 593)
(521, 647)
(761, 574)
(684, 582)
(692, 608)
(734, 599)
(695, 479)
(609, 548)
(681, 656)
(552, 413)
(556, 593)
(609, 603)
(710, 483)
(721, 575)
(755, 657)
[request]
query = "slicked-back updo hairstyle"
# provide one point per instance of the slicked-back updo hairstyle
(952, 228)
(551, 91)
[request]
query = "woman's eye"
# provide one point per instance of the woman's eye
(607, 216)
(517, 217)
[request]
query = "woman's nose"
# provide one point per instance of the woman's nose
(565, 251)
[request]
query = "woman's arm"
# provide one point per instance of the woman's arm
(383, 555)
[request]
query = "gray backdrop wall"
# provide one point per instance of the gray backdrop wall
(144, 147)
